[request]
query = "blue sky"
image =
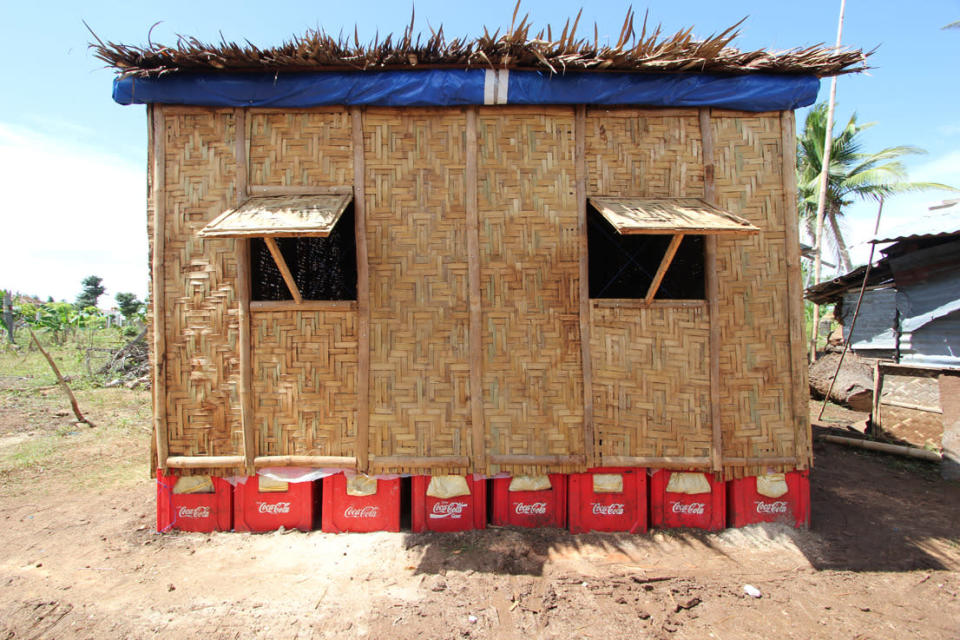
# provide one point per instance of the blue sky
(72, 162)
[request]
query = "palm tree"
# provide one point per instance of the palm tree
(854, 175)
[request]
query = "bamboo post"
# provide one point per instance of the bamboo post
(798, 369)
(822, 196)
(63, 383)
(580, 132)
(363, 292)
(157, 287)
(473, 261)
(244, 291)
(713, 295)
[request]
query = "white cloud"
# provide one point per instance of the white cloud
(69, 210)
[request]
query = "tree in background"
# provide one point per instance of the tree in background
(92, 290)
(129, 305)
(854, 175)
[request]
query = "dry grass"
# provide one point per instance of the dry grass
(649, 51)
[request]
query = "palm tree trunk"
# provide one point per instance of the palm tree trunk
(842, 253)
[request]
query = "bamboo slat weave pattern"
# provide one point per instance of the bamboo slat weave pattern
(529, 278)
(634, 152)
(304, 382)
(419, 314)
(203, 412)
(757, 411)
(300, 148)
(651, 381)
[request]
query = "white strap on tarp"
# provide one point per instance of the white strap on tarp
(496, 84)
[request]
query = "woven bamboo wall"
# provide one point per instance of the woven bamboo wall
(651, 382)
(651, 376)
(419, 315)
(202, 408)
(304, 382)
(300, 148)
(529, 279)
(757, 412)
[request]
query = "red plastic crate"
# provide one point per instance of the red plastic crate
(530, 508)
(676, 510)
(341, 512)
(747, 506)
(193, 511)
(461, 513)
(255, 510)
(591, 511)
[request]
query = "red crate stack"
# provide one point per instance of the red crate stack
(770, 499)
(458, 513)
(342, 512)
(672, 509)
(273, 505)
(208, 511)
(545, 508)
(614, 510)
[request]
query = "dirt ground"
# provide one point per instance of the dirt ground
(80, 558)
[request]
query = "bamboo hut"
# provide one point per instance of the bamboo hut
(520, 253)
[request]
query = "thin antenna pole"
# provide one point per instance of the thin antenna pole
(822, 197)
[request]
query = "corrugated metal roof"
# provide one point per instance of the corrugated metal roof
(941, 220)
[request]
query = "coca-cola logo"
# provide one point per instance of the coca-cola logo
(452, 510)
(193, 512)
(535, 508)
(368, 511)
(615, 509)
(779, 506)
(692, 509)
(273, 508)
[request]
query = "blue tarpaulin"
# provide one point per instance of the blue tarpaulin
(452, 87)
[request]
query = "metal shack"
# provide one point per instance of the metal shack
(514, 254)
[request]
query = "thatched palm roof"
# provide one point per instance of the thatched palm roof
(650, 51)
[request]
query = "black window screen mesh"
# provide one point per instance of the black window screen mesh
(623, 266)
(323, 268)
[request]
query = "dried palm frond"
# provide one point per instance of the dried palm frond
(648, 52)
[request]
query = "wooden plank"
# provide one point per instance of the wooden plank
(419, 461)
(797, 322)
(580, 132)
(473, 274)
(318, 462)
(244, 289)
(283, 190)
(204, 462)
(284, 269)
(266, 306)
(664, 265)
(877, 388)
(759, 462)
(534, 459)
(669, 462)
(363, 293)
(631, 111)
(157, 293)
(713, 302)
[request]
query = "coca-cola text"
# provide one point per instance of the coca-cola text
(615, 509)
(273, 508)
(692, 509)
(452, 510)
(779, 506)
(193, 512)
(368, 511)
(536, 508)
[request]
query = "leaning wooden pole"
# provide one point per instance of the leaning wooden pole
(63, 383)
(822, 196)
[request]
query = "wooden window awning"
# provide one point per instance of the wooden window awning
(669, 216)
(280, 216)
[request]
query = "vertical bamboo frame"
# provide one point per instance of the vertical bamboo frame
(156, 269)
(243, 301)
(363, 292)
(580, 132)
(473, 258)
(713, 303)
(798, 369)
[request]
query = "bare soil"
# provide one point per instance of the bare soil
(81, 559)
